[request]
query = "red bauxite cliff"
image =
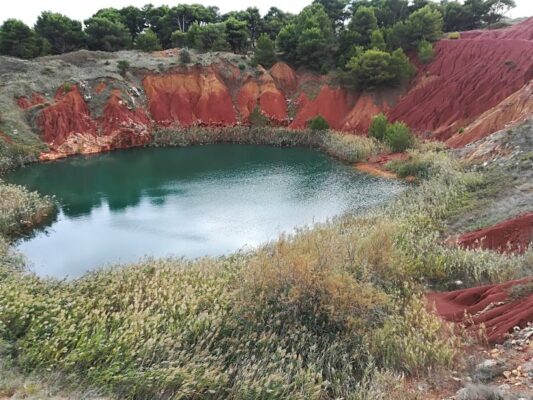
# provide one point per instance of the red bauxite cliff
(475, 85)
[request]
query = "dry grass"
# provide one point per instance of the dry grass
(333, 311)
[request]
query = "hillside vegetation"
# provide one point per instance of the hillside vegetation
(332, 311)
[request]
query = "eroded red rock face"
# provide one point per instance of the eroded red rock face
(264, 95)
(360, 117)
(196, 97)
(488, 305)
(68, 127)
(69, 114)
(511, 111)
(333, 104)
(523, 30)
(284, 76)
(36, 98)
(513, 235)
(125, 128)
(467, 78)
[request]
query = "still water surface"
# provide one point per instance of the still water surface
(196, 201)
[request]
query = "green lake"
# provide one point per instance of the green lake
(206, 200)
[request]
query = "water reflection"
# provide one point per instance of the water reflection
(194, 201)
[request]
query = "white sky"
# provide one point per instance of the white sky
(28, 10)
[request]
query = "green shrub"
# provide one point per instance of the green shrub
(413, 167)
(67, 87)
(242, 66)
(184, 56)
(454, 35)
(123, 67)
(378, 126)
(178, 39)
(257, 118)
(318, 123)
(264, 52)
(147, 41)
(398, 136)
(425, 51)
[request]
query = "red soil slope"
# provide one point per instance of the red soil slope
(284, 76)
(35, 99)
(262, 93)
(488, 305)
(333, 104)
(523, 30)
(511, 111)
(69, 114)
(467, 78)
(125, 128)
(68, 128)
(359, 118)
(513, 235)
(189, 98)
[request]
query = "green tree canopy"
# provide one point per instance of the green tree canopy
(311, 36)
(362, 24)
(105, 34)
(62, 33)
(374, 68)
(147, 41)
(134, 19)
(264, 53)
(274, 20)
(336, 10)
(237, 34)
(211, 37)
(424, 24)
(18, 40)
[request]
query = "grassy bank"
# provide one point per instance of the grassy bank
(347, 148)
(333, 311)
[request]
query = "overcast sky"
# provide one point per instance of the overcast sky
(28, 10)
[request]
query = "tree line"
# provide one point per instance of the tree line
(365, 39)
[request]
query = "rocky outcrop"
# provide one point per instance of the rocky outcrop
(285, 77)
(359, 118)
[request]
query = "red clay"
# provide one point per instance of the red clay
(128, 128)
(523, 30)
(265, 95)
(100, 87)
(511, 111)
(284, 76)
(360, 117)
(488, 305)
(513, 235)
(36, 98)
(68, 115)
(195, 97)
(467, 78)
(333, 104)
